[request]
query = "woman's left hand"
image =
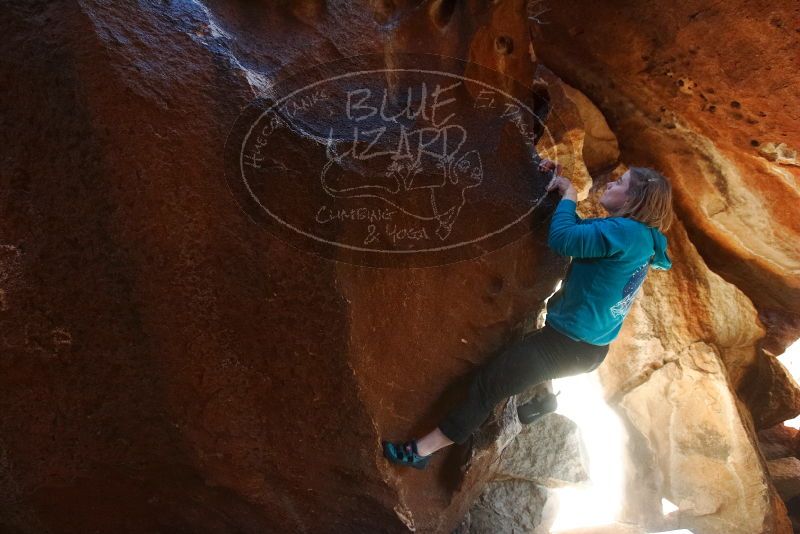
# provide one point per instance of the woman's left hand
(563, 185)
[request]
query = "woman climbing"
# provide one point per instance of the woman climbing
(610, 259)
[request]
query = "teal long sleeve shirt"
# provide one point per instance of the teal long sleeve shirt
(611, 257)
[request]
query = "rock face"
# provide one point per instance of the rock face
(785, 473)
(694, 361)
(673, 380)
(167, 365)
(549, 452)
(511, 506)
(546, 454)
(707, 100)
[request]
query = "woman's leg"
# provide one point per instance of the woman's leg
(542, 355)
(432, 442)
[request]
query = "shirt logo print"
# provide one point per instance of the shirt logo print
(629, 292)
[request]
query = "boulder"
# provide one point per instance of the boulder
(778, 441)
(510, 506)
(549, 452)
(785, 473)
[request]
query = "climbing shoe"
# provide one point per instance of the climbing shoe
(534, 409)
(404, 454)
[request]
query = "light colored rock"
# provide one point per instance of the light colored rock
(549, 452)
(666, 314)
(704, 460)
(600, 148)
(690, 441)
(565, 136)
(779, 153)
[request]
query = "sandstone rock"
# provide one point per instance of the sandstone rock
(511, 506)
(679, 100)
(600, 148)
(549, 452)
(565, 126)
(779, 153)
(770, 392)
(785, 473)
(168, 365)
(778, 441)
(773, 451)
(685, 414)
(687, 288)
(782, 327)
(689, 440)
(793, 507)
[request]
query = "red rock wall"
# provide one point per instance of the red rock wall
(166, 364)
(169, 366)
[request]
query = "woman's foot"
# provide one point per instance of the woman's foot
(404, 454)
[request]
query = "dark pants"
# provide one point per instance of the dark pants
(541, 355)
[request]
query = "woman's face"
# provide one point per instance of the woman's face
(616, 193)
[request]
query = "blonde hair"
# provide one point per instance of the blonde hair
(649, 198)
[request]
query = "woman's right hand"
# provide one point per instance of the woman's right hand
(558, 182)
(562, 184)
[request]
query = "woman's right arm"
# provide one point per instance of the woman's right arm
(566, 235)
(564, 186)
